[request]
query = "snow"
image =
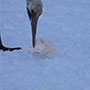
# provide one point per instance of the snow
(66, 23)
(43, 45)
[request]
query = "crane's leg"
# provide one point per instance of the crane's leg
(33, 20)
(34, 27)
(3, 48)
(29, 14)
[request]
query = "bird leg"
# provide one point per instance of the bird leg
(34, 27)
(33, 19)
(3, 48)
(29, 14)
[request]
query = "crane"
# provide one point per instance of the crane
(34, 10)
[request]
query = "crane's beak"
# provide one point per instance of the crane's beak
(34, 27)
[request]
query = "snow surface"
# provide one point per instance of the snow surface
(64, 22)
(43, 45)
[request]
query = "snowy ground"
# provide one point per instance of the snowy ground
(67, 24)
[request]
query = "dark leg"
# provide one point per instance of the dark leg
(2, 47)
(29, 14)
(32, 17)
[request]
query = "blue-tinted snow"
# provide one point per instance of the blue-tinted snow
(67, 24)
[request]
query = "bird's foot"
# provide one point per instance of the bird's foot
(3, 48)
